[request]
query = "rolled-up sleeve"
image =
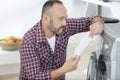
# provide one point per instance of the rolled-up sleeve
(30, 64)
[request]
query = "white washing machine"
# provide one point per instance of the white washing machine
(104, 64)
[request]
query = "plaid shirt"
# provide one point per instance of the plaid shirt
(36, 55)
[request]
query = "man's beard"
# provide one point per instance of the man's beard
(54, 29)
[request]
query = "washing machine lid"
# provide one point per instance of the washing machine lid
(112, 30)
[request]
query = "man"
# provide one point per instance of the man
(43, 48)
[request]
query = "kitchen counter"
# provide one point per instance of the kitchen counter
(9, 57)
(9, 62)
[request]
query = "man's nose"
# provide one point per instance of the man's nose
(64, 23)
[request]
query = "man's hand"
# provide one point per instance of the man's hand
(97, 26)
(70, 64)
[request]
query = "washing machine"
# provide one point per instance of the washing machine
(104, 63)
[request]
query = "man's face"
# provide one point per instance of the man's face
(56, 29)
(58, 19)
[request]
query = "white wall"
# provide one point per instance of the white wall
(17, 16)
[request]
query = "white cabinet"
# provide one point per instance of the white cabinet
(107, 9)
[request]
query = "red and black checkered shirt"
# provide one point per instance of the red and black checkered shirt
(36, 56)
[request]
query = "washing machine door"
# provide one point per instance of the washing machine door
(93, 72)
(104, 67)
(98, 69)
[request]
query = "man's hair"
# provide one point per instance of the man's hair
(49, 4)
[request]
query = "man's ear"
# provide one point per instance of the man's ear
(46, 18)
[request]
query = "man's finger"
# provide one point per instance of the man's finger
(77, 59)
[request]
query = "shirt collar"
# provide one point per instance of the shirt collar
(40, 34)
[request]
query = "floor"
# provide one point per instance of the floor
(75, 9)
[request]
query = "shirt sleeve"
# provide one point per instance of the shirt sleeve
(30, 64)
(76, 25)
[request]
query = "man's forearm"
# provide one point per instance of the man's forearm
(57, 73)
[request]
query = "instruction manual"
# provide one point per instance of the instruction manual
(82, 45)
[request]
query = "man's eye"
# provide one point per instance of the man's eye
(61, 19)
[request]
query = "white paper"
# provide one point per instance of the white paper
(82, 45)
